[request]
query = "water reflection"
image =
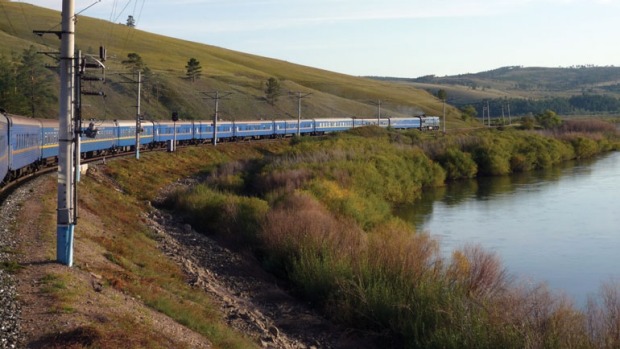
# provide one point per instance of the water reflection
(559, 225)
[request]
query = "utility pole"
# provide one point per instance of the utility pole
(489, 113)
(69, 129)
(509, 119)
(138, 82)
(66, 141)
(444, 115)
(138, 116)
(378, 104)
(300, 96)
(216, 97)
(502, 114)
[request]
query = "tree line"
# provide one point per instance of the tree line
(26, 85)
(585, 103)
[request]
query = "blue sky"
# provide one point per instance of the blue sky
(403, 38)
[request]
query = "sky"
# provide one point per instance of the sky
(398, 38)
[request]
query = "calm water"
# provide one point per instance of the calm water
(560, 226)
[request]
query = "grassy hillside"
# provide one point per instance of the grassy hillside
(333, 94)
(532, 83)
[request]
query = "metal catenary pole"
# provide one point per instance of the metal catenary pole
(138, 122)
(300, 96)
(66, 183)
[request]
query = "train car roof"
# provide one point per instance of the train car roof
(126, 123)
(329, 119)
(49, 123)
(250, 122)
(172, 123)
(20, 120)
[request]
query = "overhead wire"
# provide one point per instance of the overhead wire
(21, 7)
(130, 33)
(8, 18)
(112, 12)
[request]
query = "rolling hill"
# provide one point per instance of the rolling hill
(167, 89)
(516, 83)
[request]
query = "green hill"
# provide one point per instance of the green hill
(561, 89)
(168, 89)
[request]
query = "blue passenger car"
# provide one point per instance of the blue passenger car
(371, 122)
(165, 131)
(49, 141)
(307, 126)
(332, 125)
(203, 131)
(4, 147)
(284, 128)
(405, 123)
(253, 129)
(146, 134)
(99, 138)
(225, 130)
(126, 134)
(24, 144)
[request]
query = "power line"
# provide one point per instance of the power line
(8, 18)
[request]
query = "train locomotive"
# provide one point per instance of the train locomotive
(28, 144)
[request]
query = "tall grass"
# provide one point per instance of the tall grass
(323, 220)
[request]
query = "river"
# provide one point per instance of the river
(559, 226)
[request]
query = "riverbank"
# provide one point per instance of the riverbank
(117, 250)
(319, 215)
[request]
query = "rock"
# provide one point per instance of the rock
(97, 286)
(274, 331)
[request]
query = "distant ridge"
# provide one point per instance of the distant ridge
(600, 84)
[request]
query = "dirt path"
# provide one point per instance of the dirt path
(61, 307)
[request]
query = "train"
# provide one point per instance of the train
(28, 144)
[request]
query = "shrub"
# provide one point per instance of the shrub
(491, 160)
(458, 164)
(587, 126)
(604, 316)
(584, 147)
(235, 218)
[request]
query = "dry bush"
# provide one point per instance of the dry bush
(478, 272)
(300, 221)
(587, 126)
(604, 316)
(398, 251)
(287, 180)
(540, 318)
(572, 136)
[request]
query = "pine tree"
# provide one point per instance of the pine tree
(134, 63)
(194, 70)
(272, 90)
(25, 86)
